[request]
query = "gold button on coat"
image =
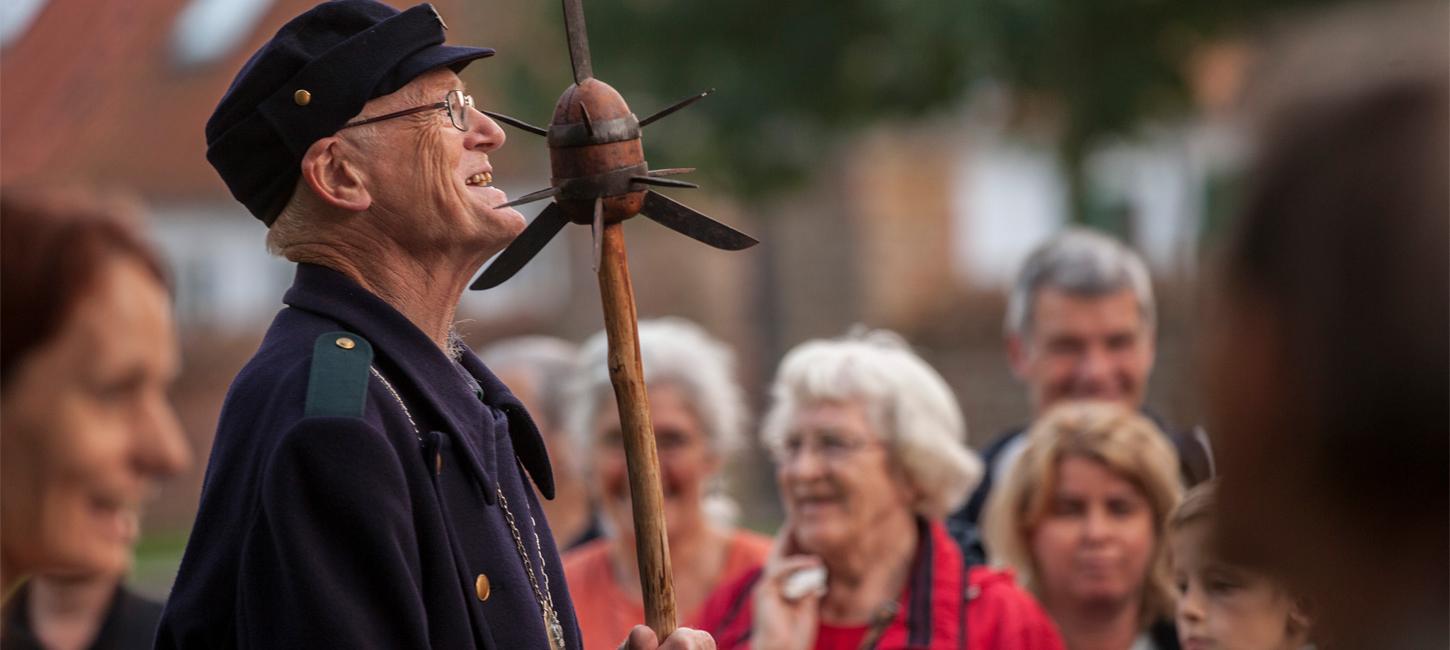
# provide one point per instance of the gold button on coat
(346, 343)
(302, 97)
(481, 585)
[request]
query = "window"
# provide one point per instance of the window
(207, 30)
(15, 18)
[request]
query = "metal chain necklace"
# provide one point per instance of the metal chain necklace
(543, 595)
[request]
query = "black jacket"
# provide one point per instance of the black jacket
(354, 531)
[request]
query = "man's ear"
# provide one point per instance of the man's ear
(1017, 355)
(333, 178)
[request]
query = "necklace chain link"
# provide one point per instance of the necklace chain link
(542, 594)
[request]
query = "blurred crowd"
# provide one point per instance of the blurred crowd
(1310, 509)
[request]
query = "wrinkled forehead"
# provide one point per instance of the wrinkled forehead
(428, 87)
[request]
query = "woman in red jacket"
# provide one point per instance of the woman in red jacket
(868, 442)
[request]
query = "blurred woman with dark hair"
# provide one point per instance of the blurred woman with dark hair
(1327, 359)
(87, 353)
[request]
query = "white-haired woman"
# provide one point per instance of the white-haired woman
(698, 413)
(1080, 518)
(870, 452)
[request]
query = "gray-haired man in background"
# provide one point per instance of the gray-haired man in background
(1080, 324)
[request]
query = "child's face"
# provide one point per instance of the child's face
(1221, 607)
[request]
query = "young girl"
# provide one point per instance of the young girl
(1221, 606)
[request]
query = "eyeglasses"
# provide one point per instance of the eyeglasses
(456, 103)
(832, 448)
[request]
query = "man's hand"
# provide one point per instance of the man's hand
(684, 638)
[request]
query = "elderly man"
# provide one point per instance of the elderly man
(1080, 325)
(368, 485)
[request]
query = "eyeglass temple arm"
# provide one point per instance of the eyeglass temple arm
(389, 116)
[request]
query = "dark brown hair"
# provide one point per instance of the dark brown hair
(53, 244)
(1345, 235)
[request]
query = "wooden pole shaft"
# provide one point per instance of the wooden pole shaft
(626, 372)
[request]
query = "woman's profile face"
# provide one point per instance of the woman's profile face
(87, 428)
(1095, 543)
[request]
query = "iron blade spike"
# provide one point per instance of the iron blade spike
(671, 171)
(516, 123)
(578, 35)
(675, 107)
(524, 247)
(663, 182)
(530, 197)
(685, 220)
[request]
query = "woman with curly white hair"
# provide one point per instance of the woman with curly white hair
(698, 413)
(870, 457)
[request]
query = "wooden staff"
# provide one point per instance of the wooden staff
(626, 372)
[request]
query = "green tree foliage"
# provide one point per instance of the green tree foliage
(794, 76)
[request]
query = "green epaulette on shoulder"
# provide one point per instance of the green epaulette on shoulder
(337, 385)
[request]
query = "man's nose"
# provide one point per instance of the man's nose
(483, 133)
(1095, 369)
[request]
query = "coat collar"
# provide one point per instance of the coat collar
(413, 361)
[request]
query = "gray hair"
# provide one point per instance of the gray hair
(675, 352)
(548, 363)
(908, 404)
(1080, 262)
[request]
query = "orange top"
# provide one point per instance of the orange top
(606, 611)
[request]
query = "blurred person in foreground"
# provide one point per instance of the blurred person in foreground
(87, 353)
(1222, 606)
(1081, 521)
(1081, 324)
(699, 415)
(1328, 365)
(369, 482)
(870, 453)
(538, 370)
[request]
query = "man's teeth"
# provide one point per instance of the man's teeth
(481, 178)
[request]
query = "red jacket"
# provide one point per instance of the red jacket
(933, 612)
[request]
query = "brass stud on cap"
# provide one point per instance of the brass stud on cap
(302, 97)
(482, 587)
(346, 343)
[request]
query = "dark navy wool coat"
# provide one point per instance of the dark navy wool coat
(347, 532)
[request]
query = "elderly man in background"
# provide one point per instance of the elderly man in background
(368, 484)
(537, 369)
(1080, 324)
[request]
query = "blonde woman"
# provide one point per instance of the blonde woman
(1081, 521)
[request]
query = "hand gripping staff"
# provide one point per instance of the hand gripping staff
(600, 178)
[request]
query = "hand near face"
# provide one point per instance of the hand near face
(783, 623)
(684, 638)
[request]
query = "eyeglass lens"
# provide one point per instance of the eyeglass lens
(458, 105)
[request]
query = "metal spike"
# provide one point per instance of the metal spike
(675, 107)
(524, 247)
(588, 123)
(530, 197)
(516, 123)
(598, 228)
(685, 220)
(663, 182)
(671, 171)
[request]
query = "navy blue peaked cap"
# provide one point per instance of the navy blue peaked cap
(308, 81)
